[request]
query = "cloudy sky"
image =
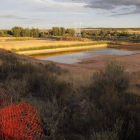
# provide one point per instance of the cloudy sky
(46, 14)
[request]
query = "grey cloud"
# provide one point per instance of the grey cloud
(112, 4)
(10, 16)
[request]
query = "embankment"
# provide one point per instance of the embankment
(56, 50)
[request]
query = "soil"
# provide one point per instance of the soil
(90, 65)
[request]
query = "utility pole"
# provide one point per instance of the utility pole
(78, 29)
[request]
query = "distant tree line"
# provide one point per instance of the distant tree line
(22, 32)
(1, 33)
(56, 31)
(104, 33)
(97, 34)
(108, 34)
(35, 32)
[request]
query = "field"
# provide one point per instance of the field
(31, 46)
(9, 45)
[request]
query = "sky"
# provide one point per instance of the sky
(45, 14)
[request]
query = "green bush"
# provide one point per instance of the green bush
(1, 33)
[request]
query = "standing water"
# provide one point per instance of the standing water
(77, 57)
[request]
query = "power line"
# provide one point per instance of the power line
(78, 29)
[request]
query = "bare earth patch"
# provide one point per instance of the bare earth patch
(88, 66)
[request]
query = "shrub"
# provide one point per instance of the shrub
(41, 85)
(12, 68)
(102, 111)
(1, 33)
(113, 79)
(39, 79)
(53, 68)
(51, 114)
(111, 103)
(104, 136)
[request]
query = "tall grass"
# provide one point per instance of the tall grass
(55, 47)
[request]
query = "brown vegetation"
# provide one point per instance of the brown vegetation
(101, 109)
(35, 43)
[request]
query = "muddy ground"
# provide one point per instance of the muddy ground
(90, 65)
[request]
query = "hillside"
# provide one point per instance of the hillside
(71, 110)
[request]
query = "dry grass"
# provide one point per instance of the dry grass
(78, 76)
(125, 45)
(23, 44)
(34, 43)
(48, 51)
(6, 39)
(133, 31)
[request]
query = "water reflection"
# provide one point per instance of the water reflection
(77, 57)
